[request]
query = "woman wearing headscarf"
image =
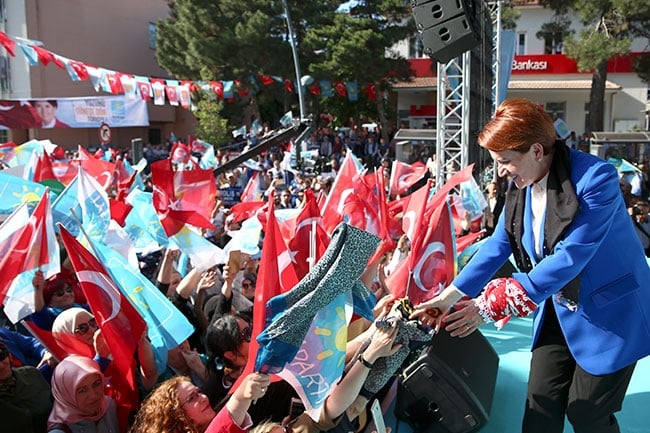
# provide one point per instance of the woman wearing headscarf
(80, 401)
(76, 331)
(25, 398)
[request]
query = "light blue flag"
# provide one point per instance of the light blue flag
(506, 56)
(326, 88)
(95, 208)
(15, 190)
(256, 127)
(353, 90)
(143, 221)
(241, 131)
(138, 183)
(228, 88)
(202, 252)
(30, 54)
(65, 205)
(24, 151)
(167, 326)
(287, 119)
(208, 160)
(319, 362)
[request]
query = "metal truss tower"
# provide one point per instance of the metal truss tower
(458, 117)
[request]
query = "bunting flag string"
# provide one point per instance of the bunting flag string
(173, 92)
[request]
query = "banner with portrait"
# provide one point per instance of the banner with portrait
(83, 112)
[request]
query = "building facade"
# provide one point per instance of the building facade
(541, 72)
(117, 35)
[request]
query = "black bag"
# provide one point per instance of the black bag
(449, 388)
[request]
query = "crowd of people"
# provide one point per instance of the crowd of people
(588, 328)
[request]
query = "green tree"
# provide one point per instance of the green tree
(235, 40)
(609, 26)
(355, 47)
(211, 126)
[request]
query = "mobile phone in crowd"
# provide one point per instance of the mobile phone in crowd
(296, 408)
(378, 417)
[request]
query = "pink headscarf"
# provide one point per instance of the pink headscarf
(67, 375)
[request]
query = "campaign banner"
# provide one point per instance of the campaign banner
(230, 195)
(83, 112)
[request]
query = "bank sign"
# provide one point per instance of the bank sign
(561, 64)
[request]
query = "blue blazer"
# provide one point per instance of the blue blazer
(596, 248)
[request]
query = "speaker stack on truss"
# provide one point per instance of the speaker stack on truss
(447, 28)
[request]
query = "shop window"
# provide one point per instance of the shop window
(557, 110)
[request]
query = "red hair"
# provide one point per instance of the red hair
(517, 124)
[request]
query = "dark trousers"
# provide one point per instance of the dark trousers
(557, 386)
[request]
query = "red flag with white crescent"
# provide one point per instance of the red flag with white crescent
(119, 321)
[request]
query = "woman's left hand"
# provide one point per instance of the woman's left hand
(465, 320)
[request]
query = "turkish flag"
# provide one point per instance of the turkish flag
(266, 79)
(18, 115)
(340, 88)
(8, 44)
(252, 190)
(308, 239)
(431, 267)
(99, 169)
(217, 88)
(371, 91)
(46, 56)
(26, 247)
(314, 89)
(115, 83)
(145, 89)
(332, 210)
(43, 170)
(403, 176)
(180, 197)
(288, 85)
(172, 94)
(119, 321)
(64, 170)
(246, 209)
(276, 275)
(181, 153)
(80, 69)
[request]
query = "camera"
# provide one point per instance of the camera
(636, 210)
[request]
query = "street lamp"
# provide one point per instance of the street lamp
(296, 62)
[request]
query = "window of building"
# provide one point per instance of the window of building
(152, 36)
(154, 136)
(416, 47)
(521, 44)
(5, 81)
(553, 43)
(557, 110)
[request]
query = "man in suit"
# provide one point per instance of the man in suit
(581, 269)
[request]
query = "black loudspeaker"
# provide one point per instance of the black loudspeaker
(447, 28)
(449, 388)
(430, 13)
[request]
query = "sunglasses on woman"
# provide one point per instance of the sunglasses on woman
(83, 328)
(246, 334)
(61, 292)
